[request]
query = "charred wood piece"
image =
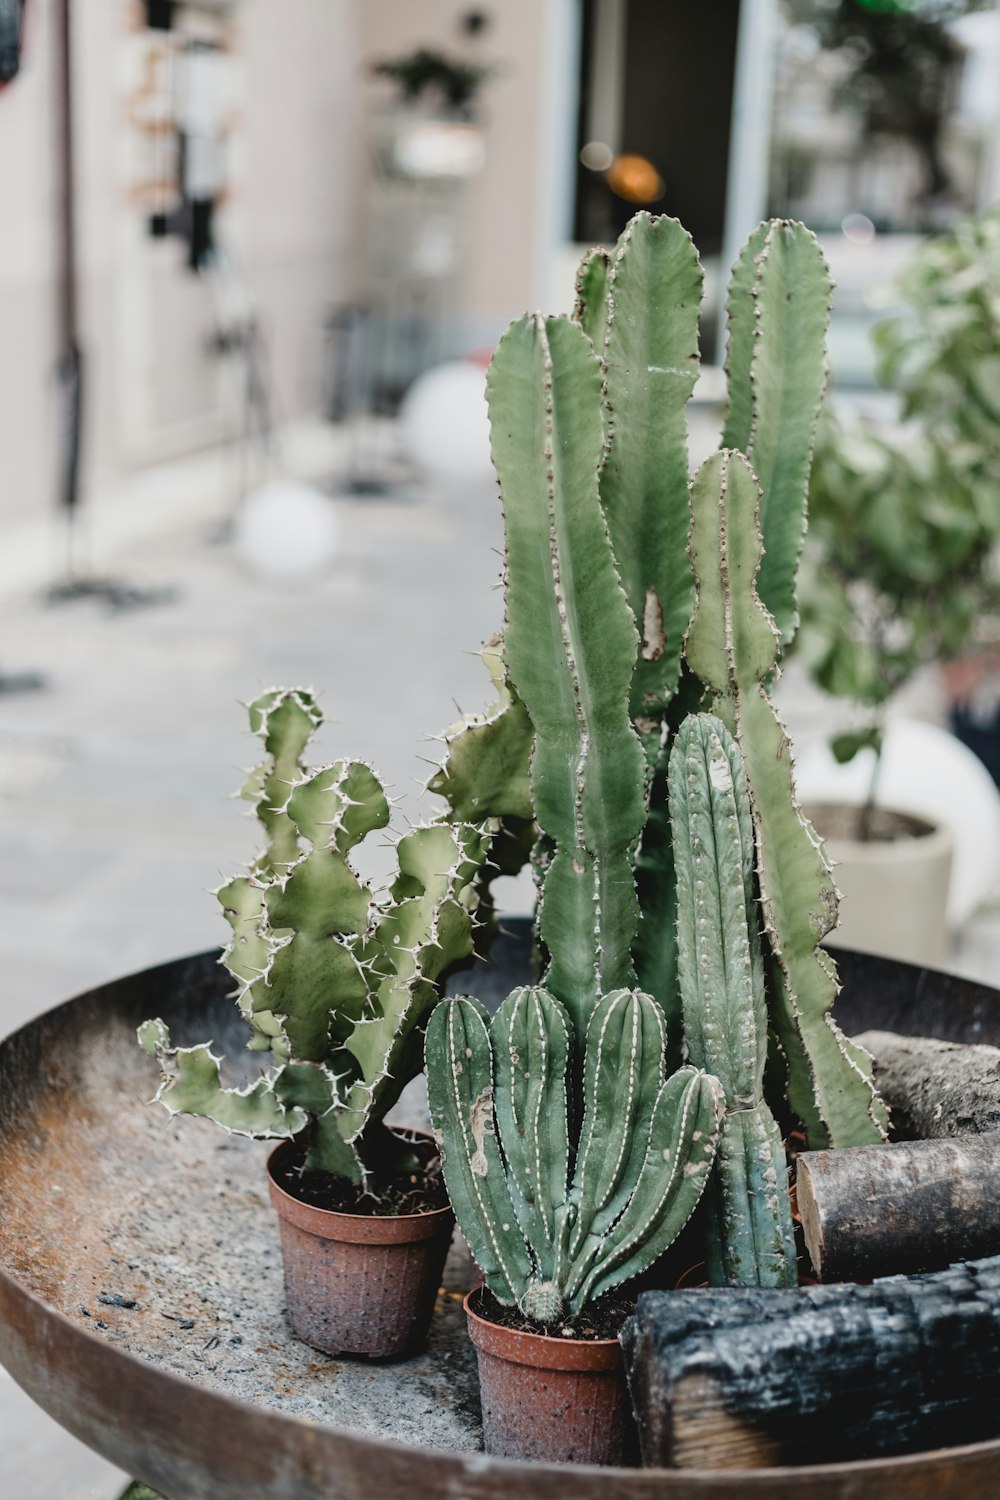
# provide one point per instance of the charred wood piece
(749, 1378)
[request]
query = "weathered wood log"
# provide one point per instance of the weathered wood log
(933, 1088)
(745, 1378)
(910, 1206)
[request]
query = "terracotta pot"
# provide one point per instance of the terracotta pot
(357, 1283)
(895, 893)
(554, 1400)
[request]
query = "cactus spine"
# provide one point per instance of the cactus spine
(750, 1236)
(552, 1229)
(338, 984)
(732, 645)
(570, 647)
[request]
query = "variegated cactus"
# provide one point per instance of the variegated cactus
(556, 1216)
(750, 1237)
(337, 985)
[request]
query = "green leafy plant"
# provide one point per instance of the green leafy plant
(426, 72)
(905, 520)
(615, 629)
(335, 984)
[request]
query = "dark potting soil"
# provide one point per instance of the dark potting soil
(602, 1319)
(832, 821)
(418, 1192)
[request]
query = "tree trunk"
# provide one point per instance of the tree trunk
(935, 1089)
(912, 1206)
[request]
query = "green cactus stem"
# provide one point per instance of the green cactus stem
(570, 646)
(779, 309)
(750, 1234)
(553, 1228)
(732, 645)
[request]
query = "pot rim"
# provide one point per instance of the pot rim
(938, 840)
(352, 1228)
(541, 1350)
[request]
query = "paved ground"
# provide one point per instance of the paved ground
(115, 818)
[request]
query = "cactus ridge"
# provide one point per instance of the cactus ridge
(570, 646)
(750, 1235)
(550, 1227)
(732, 645)
(336, 983)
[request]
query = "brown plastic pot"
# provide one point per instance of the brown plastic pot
(358, 1283)
(553, 1400)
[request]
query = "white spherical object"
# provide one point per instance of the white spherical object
(926, 771)
(444, 423)
(286, 532)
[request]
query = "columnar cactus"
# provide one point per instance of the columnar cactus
(570, 647)
(750, 1238)
(589, 442)
(732, 645)
(339, 985)
(555, 1220)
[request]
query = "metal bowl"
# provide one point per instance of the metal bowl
(83, 1162)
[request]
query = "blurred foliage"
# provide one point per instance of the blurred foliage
(903, 66)
(425, 72)
(904, 523)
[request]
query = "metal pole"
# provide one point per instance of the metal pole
(69, 368)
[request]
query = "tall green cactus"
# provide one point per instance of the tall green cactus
(340, 986)
(750, 1235)
(555, 1222)
(733, 645)
(570, 646)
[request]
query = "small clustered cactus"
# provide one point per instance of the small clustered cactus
(336, 984)
(676, 873)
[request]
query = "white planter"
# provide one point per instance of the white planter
(894, 894)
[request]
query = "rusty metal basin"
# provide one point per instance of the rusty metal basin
(104, 1202)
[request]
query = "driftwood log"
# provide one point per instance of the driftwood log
(911, 1206)
(744, 1378)
(933, 1088)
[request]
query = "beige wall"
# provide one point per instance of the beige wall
(145, 321)
(503, 207)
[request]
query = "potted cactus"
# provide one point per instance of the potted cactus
(337, 986)
(682, 894)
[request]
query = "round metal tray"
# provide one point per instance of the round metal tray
(103, 1197)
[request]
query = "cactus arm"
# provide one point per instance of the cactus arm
(247, 957)
(651, 365)
(487, 765)
(590, 309)
(779, 309)
(460, 1095)
(623, 1072)
(316, 1091)
(750, 1235)
(339, 805)
(679, 1154)
(285, 720)
(570, 645)
(732, 645)
(532, 1046)
(192, 1085)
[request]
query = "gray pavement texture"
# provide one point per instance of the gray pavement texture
(116, 818)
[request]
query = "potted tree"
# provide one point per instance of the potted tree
(900, 572)
(337, 986)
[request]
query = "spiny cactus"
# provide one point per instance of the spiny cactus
(732, 645)
(556, 1219)
(485, 779)
(570, 647)
(339, 985)
(750, 1236)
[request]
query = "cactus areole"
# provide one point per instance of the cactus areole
(682, 895)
